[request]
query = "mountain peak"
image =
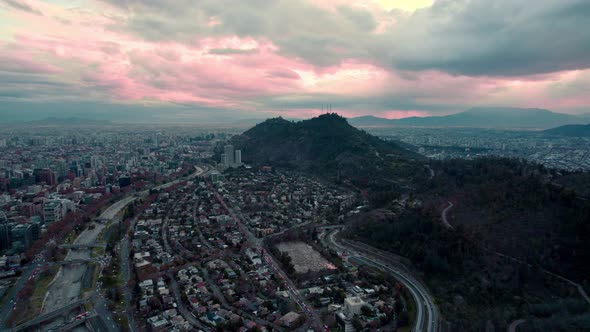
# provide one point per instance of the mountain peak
(481, 117)
(324, 144)
(329, 117)
(505, 110)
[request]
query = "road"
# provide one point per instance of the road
(514, 325)
(431, 172)
(102, 309)
(211, 284)
(444, 216)
(199, 171)
(426, 311)
(126, 270)
(274, 266)
(182, 308)
(10, 304)
(58, 312)
(67, 285)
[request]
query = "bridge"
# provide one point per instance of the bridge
(83, 246)
(50, 315)
(75, 322)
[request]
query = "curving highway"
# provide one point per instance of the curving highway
(426, 311)
(444, 215)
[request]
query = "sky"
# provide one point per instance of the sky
(214, 60)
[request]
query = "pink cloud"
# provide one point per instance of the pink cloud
(283, 73)
(88, 50)
(22, 63)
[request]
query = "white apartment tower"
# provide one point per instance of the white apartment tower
(231, 157)
(238, 159)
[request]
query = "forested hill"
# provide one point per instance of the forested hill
(505, 212)
(326, 144)
(570, 130)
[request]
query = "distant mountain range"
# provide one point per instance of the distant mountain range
(326, 144)
(71, 121)
(513, 118)
(570, 130)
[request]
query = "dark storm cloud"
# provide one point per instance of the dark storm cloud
(318, 35)
(495, 38)
(476, 37)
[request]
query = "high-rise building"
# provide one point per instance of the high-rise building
(35, 223)
(229, 156)
(238, 159)
(4, 236)
(23, 234)
(94, 162)
(157, 139)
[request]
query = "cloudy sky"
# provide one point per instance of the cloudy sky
(220, 59)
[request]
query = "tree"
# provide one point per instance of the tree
(357, 324)
(366, 311)
(403, 318)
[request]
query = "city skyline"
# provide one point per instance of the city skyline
(216, 60)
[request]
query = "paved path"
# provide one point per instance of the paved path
(514, 325)
(444, 215)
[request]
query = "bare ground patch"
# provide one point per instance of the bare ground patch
(305, 258)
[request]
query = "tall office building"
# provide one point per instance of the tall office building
(94, 162)
(157, 139)
(5, 236)
(23, 235)
(238, 159)
(229, 156)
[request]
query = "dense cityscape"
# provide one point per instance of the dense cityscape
(97, 235)
(295, 165)
(566, 153)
